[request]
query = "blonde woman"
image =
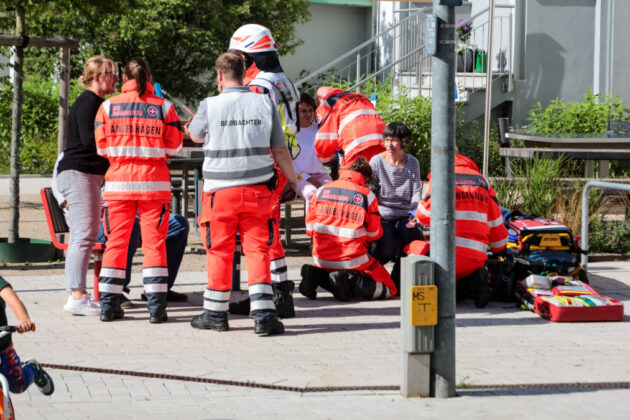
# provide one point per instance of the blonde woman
(80, 174)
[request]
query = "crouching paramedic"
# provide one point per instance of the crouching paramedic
(136, 131)
(238, 128)
(342, 218)
(478, 224)
(348, 126)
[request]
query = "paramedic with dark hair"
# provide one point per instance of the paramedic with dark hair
(343, 217)
(136, 131)
(478, 225)
(238, 128)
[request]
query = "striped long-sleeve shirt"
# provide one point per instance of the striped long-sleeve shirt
(399, 188)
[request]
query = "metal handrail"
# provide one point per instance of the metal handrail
(356, 49)
(418, 50)
(593, 184)
(384, 69)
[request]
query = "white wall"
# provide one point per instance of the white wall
(332, 31)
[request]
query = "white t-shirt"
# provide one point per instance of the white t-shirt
(307, 162)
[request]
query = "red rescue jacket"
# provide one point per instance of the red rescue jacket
(342, 219)
(351, 125)
(136, 134)
(478, 219)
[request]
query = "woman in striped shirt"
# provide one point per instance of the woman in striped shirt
(397, 178)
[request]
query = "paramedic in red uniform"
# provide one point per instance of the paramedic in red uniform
(242, 136)
(478, 225)
(136, 131)
(264, 75)
(348, 125)
(342, 218)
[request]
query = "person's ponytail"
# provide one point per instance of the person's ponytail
(138, 69)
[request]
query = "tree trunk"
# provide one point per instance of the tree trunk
(16, 128)
(64, 90)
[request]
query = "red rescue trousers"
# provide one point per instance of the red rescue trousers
(154, 218)
(278, 263)
(225, 212)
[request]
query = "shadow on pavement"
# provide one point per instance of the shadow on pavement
(538, 389)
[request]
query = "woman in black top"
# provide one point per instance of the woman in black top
(80, 174)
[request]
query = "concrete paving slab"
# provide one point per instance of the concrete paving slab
(329, 345)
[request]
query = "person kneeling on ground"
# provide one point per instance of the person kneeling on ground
(343, 217)
(19, 376)
(478, 224)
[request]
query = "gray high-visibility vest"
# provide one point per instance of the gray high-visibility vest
(237, 150)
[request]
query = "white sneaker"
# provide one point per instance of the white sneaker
(84, 306)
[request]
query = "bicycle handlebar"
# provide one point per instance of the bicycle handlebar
(9, 328)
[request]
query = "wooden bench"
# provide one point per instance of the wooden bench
(57, 226)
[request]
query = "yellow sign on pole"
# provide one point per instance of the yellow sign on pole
(423, 305)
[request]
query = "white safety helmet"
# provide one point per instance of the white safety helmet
(253, 38)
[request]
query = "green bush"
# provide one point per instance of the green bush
(609, 236)
(40, 113)
(534, 189)
(588, 116)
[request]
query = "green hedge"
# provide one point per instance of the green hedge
(40, 112)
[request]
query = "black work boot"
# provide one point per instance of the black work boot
(283, 298)
(240, 308)
(108, 316)
(483, 291)
(311, 278)
(269, 326)
(344, 281)
(110, 307)
(208, 320)
(158, 317)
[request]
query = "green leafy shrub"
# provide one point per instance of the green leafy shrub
(534, 189)
(40, 113)
(609, 236)
(588, 116)
(415, 113)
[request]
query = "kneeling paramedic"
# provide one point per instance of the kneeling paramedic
(342, 218)
(478, 225)
(238, 128)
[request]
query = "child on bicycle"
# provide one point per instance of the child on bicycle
(20, 376)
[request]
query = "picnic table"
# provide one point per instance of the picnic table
(586, 147)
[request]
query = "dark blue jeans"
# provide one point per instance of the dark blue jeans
(176, 240)
(396, 235)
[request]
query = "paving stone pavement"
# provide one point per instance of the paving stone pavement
(328, 344)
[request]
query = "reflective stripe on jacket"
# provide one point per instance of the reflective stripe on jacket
(478, 219)
(351, 125)
(342, 218)
(136, 134)
(237, 149)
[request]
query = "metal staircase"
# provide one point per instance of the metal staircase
(397, 56)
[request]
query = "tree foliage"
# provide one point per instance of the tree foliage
(179, 38)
